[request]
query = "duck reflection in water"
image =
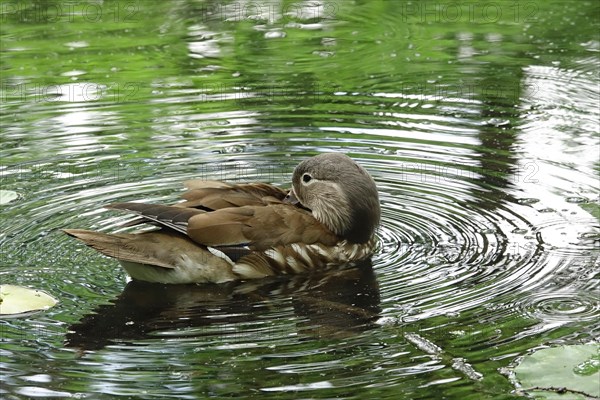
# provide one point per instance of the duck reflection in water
(330, 304)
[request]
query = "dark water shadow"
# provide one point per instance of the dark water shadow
(332, 304)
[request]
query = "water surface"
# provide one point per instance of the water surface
(478, 122)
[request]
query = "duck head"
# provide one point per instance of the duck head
(340, 193)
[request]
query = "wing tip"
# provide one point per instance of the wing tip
(78, 233)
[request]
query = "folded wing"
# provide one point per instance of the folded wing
(257, 227)
(214, 195)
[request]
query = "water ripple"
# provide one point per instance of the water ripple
(488, 243)
(561, 306)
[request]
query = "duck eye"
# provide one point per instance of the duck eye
(306, 178)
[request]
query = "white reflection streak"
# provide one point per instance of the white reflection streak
(206, 43)
(77, 120)
(557, 143)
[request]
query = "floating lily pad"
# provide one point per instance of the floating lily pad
(6, 196)
(567, 370)
(18, 300)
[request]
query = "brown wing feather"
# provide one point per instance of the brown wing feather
(217, 195)
(240, 216)
(172, 217)
(258, 227)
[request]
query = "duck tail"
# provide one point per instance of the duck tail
(108, 244)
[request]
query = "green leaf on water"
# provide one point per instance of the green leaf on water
(567, 370)
(6, 196)
(18, 300)
(592, 208)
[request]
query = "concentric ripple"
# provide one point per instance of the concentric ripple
(461, 247)
(481, 137)
(562, 306)
(445, 249)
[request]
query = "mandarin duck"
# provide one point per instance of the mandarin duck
(223, 232)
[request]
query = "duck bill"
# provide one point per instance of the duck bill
(291, 198)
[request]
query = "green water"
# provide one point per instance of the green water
(478, 121)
